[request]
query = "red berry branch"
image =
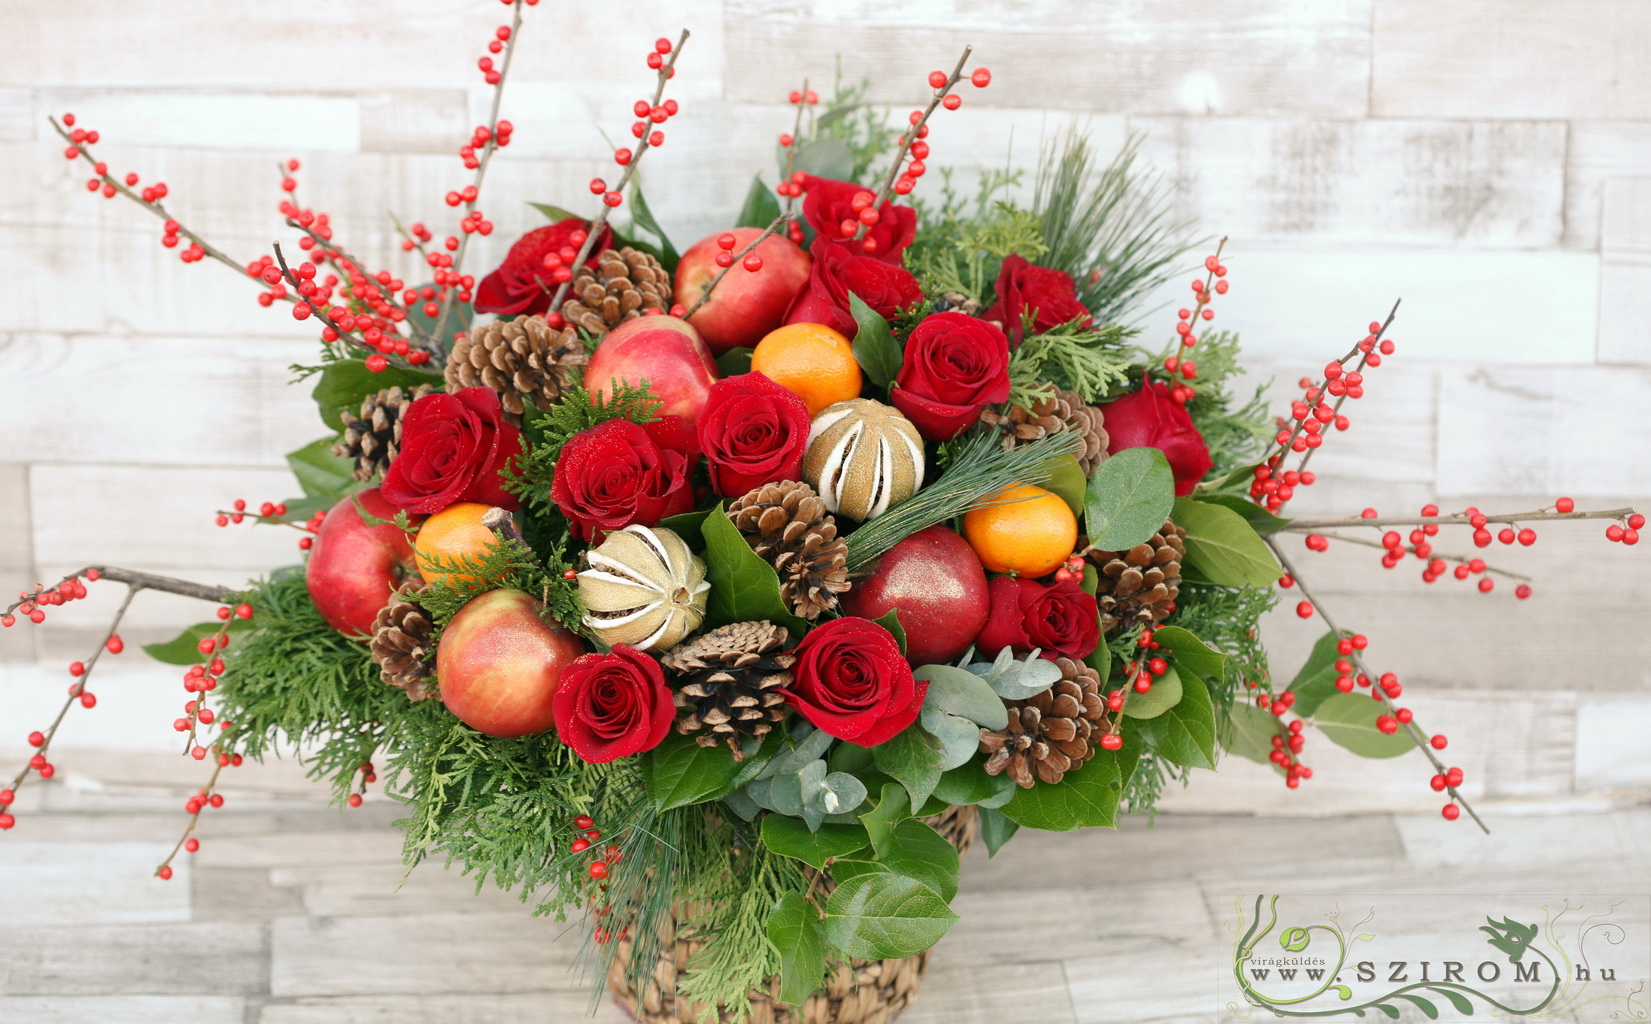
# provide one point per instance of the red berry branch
(746, 258)
(1176, 361)
(71, 588)
(902, 176)
(648, 113)
(791, 185)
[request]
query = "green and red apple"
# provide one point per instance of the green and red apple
(499, 663)
(665, 352)
(355, 566)
(746, 305)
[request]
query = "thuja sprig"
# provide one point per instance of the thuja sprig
(647, 112)
(1400, 718)
(902, 176)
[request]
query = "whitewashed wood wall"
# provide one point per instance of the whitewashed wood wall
(1488, 160)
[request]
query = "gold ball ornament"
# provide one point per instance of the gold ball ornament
(643, 588)
(863, 458)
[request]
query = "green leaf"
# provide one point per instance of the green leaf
(791, 837)
(1100, 659)
(757, 761)
(321, 473)
(1391, 1011)
(874, 346)
(644, 219)
(917, 851)
(1166, 692)
(881, 916)
(828, 158)
(996, 829)
(1222, 547)
(969, 784)
(1066, 479)
(913, 758)
(679, 772)
(1017, 678)
(959, 738)
(1085, 798)
(760, 207)
(743, 586)
(458, 320)
(1427, 1008)
(1349, 720)
(1185, 733)
(794, 929)
(554, 213)
(1462, 1003)
(959, 692)
(688, 526)
(346, 382)
(1249, 733)
(184, 648)
(893, 808)
(1316, 682)
(890, 621)
(1191, 653)
(735, 362)
(1129, 499)
(1264, 521)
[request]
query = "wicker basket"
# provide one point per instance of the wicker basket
(870, 992)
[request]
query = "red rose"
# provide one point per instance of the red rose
(453, 448)
(1059, 619)
(1149, 418)
(516, 286)
(955, 365)
(831, 203)
(617, 473)
(838, 271)
(1048, 294)
(753, 431)
(853, 682)
(612, 705)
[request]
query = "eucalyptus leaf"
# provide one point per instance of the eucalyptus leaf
(1165, 694)
(740, 802)
(842, 793)
(874, 346)
(785, 794)
(959, 738)
(758, 756)
(810, 786)
(880, 916)
(1185, 734)
(743, 586)
(1017, 679)
(1191, 653)
(760, 207)
(794, 929)
(791, 760)
(1316, 682)
(1222, 547)
(968, 784)
(912, 758)
(964, 694)
(1129, 499)
(1349, 720)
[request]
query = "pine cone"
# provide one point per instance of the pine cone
(730, 682)
(523, 360)
(956, 302)
(1140, 585)
(787, 524)
(1049, 734)
(373, 437)
(1066, 410)
(403, 646)
(623, 283)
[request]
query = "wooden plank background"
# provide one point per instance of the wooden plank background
(1488, 160)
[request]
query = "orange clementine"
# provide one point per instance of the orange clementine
(810, 360)
(452, 534)
(1024, 530)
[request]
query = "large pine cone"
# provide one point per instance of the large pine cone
(525, 360)
(1066, 410)
(404, 647)
(623, 284)
(787, 524)
(373, 437)
(1140, 585)
(730, 683)
(1052, 733)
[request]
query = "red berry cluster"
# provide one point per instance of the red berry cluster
(1139, 673)
(725, 255)
(273, 513)
(33, 603)
(368, 776)
(1627, 531)
(1180, 365)
(201, 679)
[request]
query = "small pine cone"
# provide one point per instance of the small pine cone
(373, 437)
(1140, 585)
(1052, 733)
(728, 682)
(787, 524)
(403, 646)
(956, 302)
(623, 284)
(1065, 410)
(524, 360)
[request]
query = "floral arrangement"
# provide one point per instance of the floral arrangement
(722, 596)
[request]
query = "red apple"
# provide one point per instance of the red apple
(665, 352)
(935, 581)
(354, 566)
(746, 305)
(499, 664)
